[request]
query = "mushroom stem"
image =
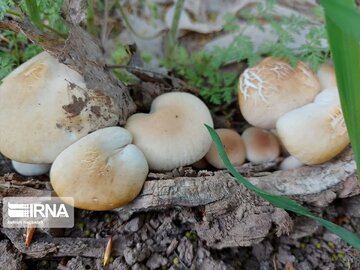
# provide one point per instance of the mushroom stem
(29, 169)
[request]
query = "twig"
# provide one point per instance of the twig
(105, 22)
(274, 262)
(171, 38)
(131, 29)
(62, 35)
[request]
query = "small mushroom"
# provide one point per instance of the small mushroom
(316, 132)
(234, 148)
(173, 133)
(261, 145)
(27, 169)
(290, 163)
(327, 77)
(45, 107)
(272, 88)
(101, 171)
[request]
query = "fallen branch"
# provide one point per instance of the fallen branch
(81, 52)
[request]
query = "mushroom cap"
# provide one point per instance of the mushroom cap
(327, 77)
(234, 148)
(272, 88)
(101, 171)
(261, 145)
(27, 169)
(45, 107)
(316, 132)
(290, 163)
(173, 133)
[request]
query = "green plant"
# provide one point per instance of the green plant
(202, 69)
(44, 14)
(17, 49)
(342, 22)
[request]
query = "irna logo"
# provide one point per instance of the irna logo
(43, 212)
(35, 210)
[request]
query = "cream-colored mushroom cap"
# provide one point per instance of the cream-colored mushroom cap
(173, 133)
(101, 171)
(261, 145)
(272, 88)
(28, 169)
(316, 132)
(45, 107)
(234, 148)
(290, 163)
(327, 77)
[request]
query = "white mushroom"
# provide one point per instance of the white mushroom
(261, 145)
(45, 107)
(272, 88)
(173, 133)
(290, 163)
(234, 148)
(101, 171)
(316, 132)
(28, 169)
(327, 77)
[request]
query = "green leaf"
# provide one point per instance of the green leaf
(344, 15)
(281, 201)
(342, 23)
(33, 12)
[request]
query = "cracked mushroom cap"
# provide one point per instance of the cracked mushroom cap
(101, 171)
(261, 145)
(327, 77)
(234, 148)
(272, 88)
(316, 132)
(45, 107)
(173, 133)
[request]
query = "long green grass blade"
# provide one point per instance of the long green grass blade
(344, 15)
(281, 201)
(32, 9)
(343, 27)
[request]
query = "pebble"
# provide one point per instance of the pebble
(156, 261)
(134, 224)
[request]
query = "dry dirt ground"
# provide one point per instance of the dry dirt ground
(166, 240)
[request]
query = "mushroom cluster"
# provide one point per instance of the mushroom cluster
(303, 108)
(49, 120)
(46, 115)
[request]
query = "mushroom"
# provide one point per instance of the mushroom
(326, 75)
(27, 169)
(101, 171)
(173, 133)
(45, 107)
(234, 148)
(261, 145)
(290, 163)
(316, 132)
(272, 88)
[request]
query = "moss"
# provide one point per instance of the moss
(176, 261)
